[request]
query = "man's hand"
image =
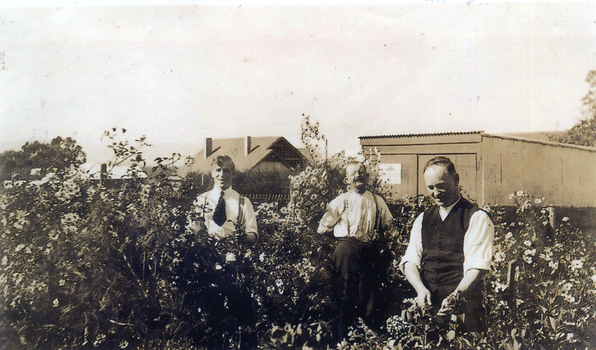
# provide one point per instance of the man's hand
(449, 303)
(423, 298)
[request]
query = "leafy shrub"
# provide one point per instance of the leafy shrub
(86, 265)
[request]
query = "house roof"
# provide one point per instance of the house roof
(261, 147)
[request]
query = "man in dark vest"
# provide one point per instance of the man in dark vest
(450, 249)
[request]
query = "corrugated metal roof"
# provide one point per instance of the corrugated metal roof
(421, 135)
(526, 137)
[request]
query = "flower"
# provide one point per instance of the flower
(528, 243)
(509, 235)
(511, 196)
(230, 257)
(537, 201)
(531, 252)
(55, 303)
(565, 219)
(520, 193)
(554, 265)
(576, 264)
(218, 267)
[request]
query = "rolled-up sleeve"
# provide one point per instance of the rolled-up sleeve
(331, 216)
(414, 251)
(478, 242)
(250, 217)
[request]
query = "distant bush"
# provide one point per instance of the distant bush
(84, 265)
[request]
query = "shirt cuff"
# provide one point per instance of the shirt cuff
(403, 262)
(479, 264)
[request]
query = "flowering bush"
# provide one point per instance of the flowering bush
(99, 264)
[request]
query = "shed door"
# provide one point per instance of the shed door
(465, 165)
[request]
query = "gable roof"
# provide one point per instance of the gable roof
(260, 148)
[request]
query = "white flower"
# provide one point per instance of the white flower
(499, 256)
(218, 267)
(511, 196)
(531, 252)
(565, 219)
(230, 257)
(55, 303)
(576, 264)
(554, 265)
(509, 235)
(123, 344)
(262, 257)
(61, 282)
(537, 200)
(528, 243)
(5, 260)
(593, 278)
(19, 247)
(527, 259)
(520, 193)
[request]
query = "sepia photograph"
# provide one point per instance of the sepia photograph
(409, 174)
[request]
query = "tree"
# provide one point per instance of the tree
(58, 154)
(584, 132)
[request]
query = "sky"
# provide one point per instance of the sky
(178, 73)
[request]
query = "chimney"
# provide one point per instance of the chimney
(247, 145)
(208, 146)
(104, 171)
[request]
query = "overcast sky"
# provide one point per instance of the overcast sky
(178, 74)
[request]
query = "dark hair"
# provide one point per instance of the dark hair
(445, 163)
(220, 160)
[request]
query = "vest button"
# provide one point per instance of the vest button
(437, 261)
(440, 237)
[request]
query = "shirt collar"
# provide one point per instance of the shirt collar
(227, 192)
(445, 211)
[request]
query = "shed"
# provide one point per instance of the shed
(491, 166)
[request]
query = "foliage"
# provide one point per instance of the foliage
(86, 265)
(57, 155)
(584, 132)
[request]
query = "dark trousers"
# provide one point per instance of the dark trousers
(360, 271)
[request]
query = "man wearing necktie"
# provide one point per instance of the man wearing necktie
(225, 213)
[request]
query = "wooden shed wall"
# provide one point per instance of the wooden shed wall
(565, 176)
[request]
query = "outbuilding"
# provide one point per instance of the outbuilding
(491, 166)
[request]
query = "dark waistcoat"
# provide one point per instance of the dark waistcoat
(443, 246)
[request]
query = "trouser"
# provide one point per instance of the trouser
(360, 271)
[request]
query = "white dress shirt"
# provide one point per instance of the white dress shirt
(353, 215)
(205, 205)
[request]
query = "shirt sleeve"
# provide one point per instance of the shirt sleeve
(331, 216)
(250, 217)
(414, 251)
(386, 217)
(478, 242)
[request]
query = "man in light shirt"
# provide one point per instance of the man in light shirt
(450, 249)
(223, 211)
(358, 219)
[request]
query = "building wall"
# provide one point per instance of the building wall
(565, 176)
(492, 167)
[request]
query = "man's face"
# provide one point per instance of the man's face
(356, 176)
(222, 175)
(442, 185)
